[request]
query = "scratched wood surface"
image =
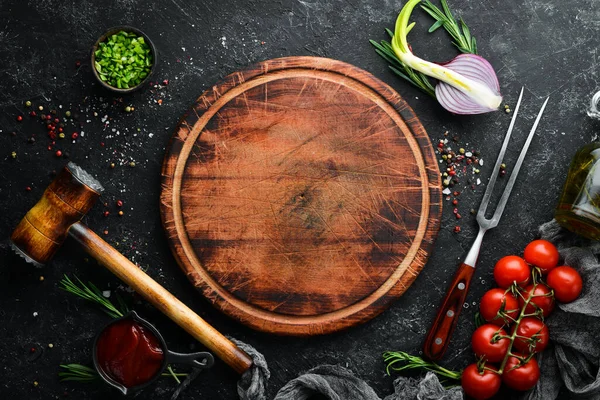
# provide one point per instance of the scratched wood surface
(301, 195)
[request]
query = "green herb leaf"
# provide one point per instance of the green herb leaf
(91, 293)
(400, 361)
(77, 372)
(458, 30)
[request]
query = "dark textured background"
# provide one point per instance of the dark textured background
(549, 46)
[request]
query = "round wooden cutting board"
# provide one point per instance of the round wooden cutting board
(301, 195)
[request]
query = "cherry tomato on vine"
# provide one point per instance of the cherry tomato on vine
(495, 300)
(533, 336)
(480, 386)
(539, 297)
(542, 254)
(521, 377)
(485, 343)
(511, 269)
(566, 282)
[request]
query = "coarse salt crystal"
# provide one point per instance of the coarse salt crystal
(468, 154)
(480, 162)
(35, 314)
(478, 181)
(446, 191)
(106, 293)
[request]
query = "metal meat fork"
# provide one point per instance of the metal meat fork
(447, 317)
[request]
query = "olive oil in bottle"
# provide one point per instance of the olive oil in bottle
(579, 205)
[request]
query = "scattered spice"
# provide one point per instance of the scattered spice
(28, 103)
(106, 213)
(457, 229)
(41, 108)
(58, 153)
(42, 278)
(20, 118)
(13, 154)
(112, 164)
(119, 203)
(105, 232)
(61, 135)
(50, 345)
(132, 164)
(28, 188)
(128, 109)
(121, 213)
(74, 135)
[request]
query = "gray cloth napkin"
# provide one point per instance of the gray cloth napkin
(572, 361)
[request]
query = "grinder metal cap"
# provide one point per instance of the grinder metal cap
(44, 228)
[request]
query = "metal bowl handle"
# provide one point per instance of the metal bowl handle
(202, 360)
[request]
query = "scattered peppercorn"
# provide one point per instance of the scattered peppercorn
(457, 229)
(112, 164)
(132, 164)
(42, 278)
(159, 102)
(121, 213)
(33, 113)
(61, 135)
(119, 203)
(106, 213)
(58, 153)
(31, 140)
(28, 103)
(68, 114)
(13, 154)
(28, 188)
(50, 345)
(75, 135)
(20, 118)
(35, 383)
(128, 109)
(166, 82)
(105, 232)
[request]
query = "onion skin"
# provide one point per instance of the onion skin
(457, 92)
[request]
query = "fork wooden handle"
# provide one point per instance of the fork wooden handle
(447, 317)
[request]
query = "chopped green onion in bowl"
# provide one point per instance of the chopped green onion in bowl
(123, 59)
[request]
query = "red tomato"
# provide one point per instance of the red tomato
(521, 377)
(540, 298)
(495, 300)
(485, 345)
(480, 386)
(566, 282)
(511, 269)
(542, 254)
(532, 336)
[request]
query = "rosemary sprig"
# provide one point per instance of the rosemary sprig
(399, 361)
(91, 293)
(77, 372)
(82, 373)
(384, 49)
(459, 31)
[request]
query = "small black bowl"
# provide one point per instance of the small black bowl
(118, 29)
(196, 360)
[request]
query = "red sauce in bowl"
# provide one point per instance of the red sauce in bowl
(129, 353)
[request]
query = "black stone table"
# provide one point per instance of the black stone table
(550, 47)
